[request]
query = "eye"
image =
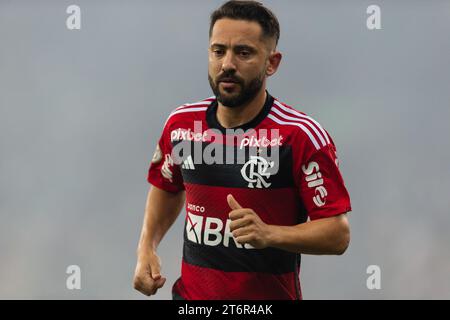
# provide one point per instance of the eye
(244, 54)
(218, 52)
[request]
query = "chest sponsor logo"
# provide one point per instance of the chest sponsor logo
(188, 135)
(210, 231)
(261, 142)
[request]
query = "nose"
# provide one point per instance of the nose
(228, 64)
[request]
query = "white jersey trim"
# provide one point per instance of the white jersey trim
(308, 123)
(310, 135)
(298, 114)
(191, 107)
(207, 101)
(185, 111)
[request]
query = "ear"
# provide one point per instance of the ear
(273, 63)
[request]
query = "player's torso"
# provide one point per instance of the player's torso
(256, 166)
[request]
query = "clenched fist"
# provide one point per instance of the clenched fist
(147, 276)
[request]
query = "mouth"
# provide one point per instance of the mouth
(228, 85)
(228, 80)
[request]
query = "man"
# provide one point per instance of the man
(246, 218)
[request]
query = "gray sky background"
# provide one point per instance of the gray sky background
(81, 112)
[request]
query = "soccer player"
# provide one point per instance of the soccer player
(250, 171)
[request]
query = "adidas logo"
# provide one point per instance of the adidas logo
(188, 164)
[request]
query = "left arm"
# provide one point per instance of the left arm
(322, 236)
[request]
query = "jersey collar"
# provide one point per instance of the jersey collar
(213, 123)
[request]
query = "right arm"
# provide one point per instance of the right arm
(161, 210)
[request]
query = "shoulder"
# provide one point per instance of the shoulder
(189, 111)
(299, 124)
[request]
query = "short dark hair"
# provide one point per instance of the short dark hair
(250, 11)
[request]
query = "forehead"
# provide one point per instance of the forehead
(229, 31)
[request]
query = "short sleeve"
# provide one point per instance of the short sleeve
(321, 186)
(163, 172)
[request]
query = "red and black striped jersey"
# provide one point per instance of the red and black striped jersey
(282, 164)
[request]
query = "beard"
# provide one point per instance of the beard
(247, 93)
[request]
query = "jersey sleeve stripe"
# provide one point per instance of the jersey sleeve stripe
(185, 111)
(286, 117)
(298, 114)
(206, 101)
(202, 103)
(310, 135)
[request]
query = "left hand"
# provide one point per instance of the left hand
(246, 226)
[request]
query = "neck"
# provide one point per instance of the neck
(234, 117)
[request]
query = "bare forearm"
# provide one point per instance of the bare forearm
(323, 236)
(161, 210)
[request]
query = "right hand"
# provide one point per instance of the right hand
(147, 276)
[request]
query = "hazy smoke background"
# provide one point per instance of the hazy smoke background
(81, 111)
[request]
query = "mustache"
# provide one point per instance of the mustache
(229, 77)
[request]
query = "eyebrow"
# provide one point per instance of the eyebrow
(236, 47)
